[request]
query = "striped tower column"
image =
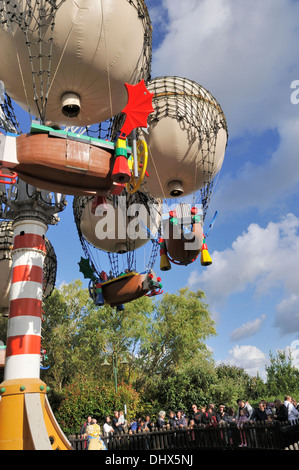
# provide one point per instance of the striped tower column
(23, 344)
(23, 394)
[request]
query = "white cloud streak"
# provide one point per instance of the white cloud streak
(261, 258)
(247, 329)
(261, 185)
(243, 52)
(250, 358)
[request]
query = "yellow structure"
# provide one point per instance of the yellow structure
(26, 419)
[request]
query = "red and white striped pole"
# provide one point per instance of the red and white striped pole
(26, 420)
(23, 394)
(23, 345)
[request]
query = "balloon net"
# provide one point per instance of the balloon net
(36, 19)
(8, 119)
(33, 16)
(109, 130)
(118, 262)
(143, 15)
(49, 270)
(198, 113)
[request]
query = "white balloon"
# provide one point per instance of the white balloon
(186, 138)
(121, 228)
(98, 46)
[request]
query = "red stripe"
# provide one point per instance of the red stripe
(23, 344)
(25, 307)
(29, 240)
(27, 273)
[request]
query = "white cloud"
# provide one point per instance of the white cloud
(260, 258)
(254, 257)
(250, 358)
(158, 16)
(244, 53)
(293, 348)
(287, 315)
(261, 185)
(247, 329)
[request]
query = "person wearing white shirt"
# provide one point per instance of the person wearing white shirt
(293, 414)
(107, 428)
(244, 406)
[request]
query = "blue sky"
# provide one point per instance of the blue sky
(246, 54)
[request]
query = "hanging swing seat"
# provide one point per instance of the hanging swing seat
(183, 249)
(127, 287)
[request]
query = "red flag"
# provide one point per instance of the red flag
(138, 108)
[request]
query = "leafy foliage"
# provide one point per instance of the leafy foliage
(282, 376)
(84, 397)
(168, 363)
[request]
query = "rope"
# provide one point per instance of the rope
(107, 62)
(29, 23)
(190, 95)
(8, 119)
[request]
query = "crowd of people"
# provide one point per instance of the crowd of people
(210, 415)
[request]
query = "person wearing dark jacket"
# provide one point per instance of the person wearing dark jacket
(196, 415)
(205, 416)
(281, 411)
(85, 425)
(172, 419)
(161, 423)
(221, 414)
(259, 414)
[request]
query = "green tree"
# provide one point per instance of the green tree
(282, 376)
(123, 332)
(173, 356)
(3, 329)
(64, 313)
(181, 323)
(164, 341)
(180, 389)
(79, 336)
(230, 383)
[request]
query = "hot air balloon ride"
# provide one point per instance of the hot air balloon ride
(69, 65)
(129, 285)
(74, 67)
(71, 61)
(186, 138)
(112, 231)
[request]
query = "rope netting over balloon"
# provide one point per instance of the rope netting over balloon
(35, 16)
(136, 256)
(187, 131)
(36, 19)
(8, 120)
(200, 118)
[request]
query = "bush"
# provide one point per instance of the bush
(85, 397)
